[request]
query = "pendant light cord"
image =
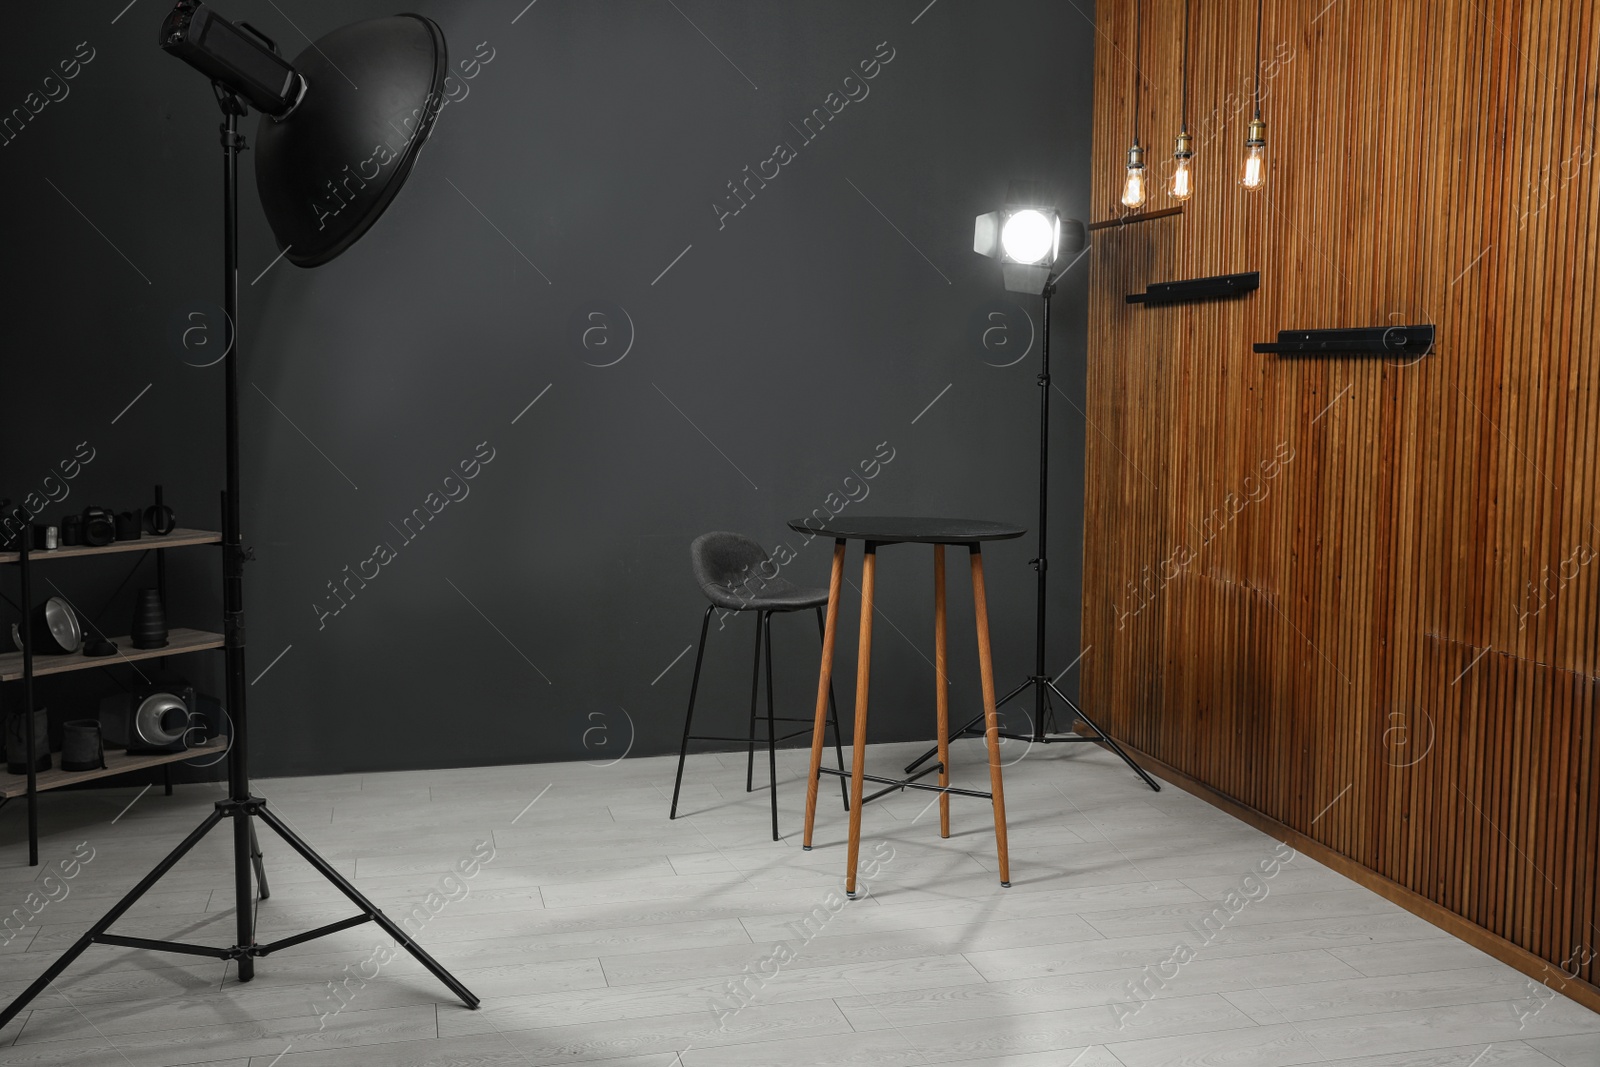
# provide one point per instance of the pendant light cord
(1138, 31)
(1183, 115)
(1259, 5)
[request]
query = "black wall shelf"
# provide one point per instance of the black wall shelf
(1412, 341)
(1214, 288)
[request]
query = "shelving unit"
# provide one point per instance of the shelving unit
(25, 666)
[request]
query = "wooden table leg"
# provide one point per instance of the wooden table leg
(980, 608)
(824, 680)
(869, 569)
(942, 699)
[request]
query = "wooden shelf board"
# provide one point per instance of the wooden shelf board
(179, 641)
(176, 539)
(16, 785)
(1136, 216)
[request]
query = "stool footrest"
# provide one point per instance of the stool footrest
(897, 784)
(747, 740)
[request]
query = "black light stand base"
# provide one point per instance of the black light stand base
(245, 955)
(1039, 682)
(1044, 687)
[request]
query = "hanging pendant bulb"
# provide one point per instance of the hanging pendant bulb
(1255, 156)
(1254, 175)
(1182, 186)
(1133, 190)
(1182, 183)
(1133, 193)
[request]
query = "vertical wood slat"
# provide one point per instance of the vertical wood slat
(1428, 161)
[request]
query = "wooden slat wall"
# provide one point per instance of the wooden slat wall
(1347, 640)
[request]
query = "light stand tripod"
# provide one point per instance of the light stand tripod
(1041, 683)
(240, 806)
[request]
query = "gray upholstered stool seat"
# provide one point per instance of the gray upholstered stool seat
(736, 574)
(779, 595)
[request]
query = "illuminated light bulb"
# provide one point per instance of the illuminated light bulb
(1182, 181)
(1133, 190)
(1029, 237)
(1255, 156)
(1182, 185)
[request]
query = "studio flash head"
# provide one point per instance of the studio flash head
(235, 55)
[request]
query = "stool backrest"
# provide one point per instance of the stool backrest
(725, 563)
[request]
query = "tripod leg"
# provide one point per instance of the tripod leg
(1107, 739)
(833, 720)
(343, 885)
(824, 694)
(63, 961)
(968, 728)
(263, 891)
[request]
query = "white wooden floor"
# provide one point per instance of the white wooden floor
(599, 932)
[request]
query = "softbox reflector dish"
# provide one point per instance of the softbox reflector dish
(328, 170)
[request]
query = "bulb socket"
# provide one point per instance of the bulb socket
(1258, 132)
(1136, 157)
(1184, 147)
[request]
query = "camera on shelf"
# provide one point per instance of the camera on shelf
(99, 526)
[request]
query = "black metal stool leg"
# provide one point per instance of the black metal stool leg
(688, 718)
(755, 689)
(833, 720)
(772, 737)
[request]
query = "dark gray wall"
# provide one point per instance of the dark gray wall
(534, 618)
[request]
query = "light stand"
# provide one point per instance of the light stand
(1026, 275)
(241, 806)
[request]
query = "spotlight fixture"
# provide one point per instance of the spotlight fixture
(1133, 190)
(1254, 175)
(1025, 236)
(236, 55)
(1182, 186)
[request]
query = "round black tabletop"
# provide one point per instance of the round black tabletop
(899, 529)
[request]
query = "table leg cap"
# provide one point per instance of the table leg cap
(853, 896)
(1005, 885)
(806, 847)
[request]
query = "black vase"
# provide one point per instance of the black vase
(81, 746)
(17, 742)
(149, 621)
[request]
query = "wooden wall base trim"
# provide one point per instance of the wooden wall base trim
(1513, 956)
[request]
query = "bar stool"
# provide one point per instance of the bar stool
(732, 571)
